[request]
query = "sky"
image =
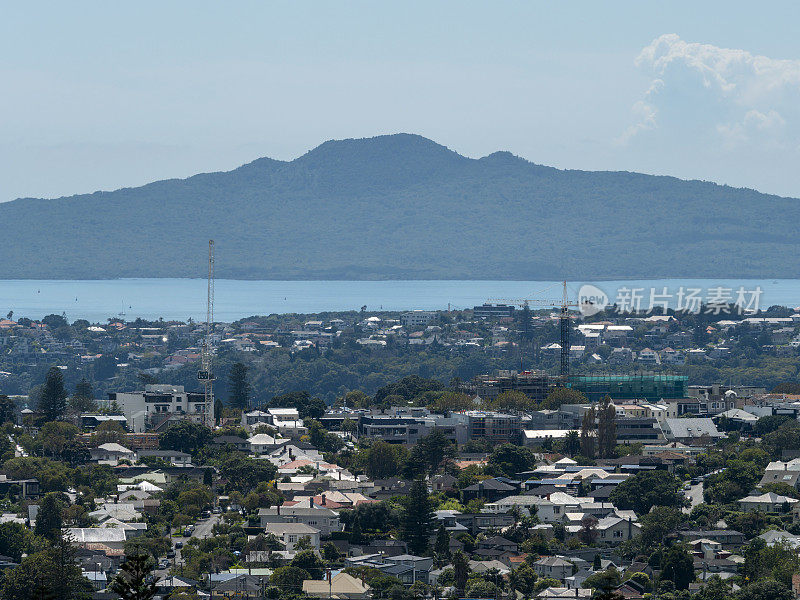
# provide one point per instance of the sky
(98, 95)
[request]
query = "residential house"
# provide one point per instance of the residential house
(173, 457)
(782, 472)
(111, 453)
(326, 520)
(553, 567)
(291, 533)
(110, 537)
(341, 586)
(769, 503)
(691, 430)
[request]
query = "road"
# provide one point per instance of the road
(202, 530)
(695, 496)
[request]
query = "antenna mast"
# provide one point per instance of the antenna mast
(205, 374)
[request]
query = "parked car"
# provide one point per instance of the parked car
(178, 545)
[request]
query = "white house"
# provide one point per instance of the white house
(769, 502)
(111, 453)
(291, 533)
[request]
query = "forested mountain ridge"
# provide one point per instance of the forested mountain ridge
(402, 206)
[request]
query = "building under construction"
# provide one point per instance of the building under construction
(537, 384)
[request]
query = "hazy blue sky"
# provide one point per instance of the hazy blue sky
(101, 95)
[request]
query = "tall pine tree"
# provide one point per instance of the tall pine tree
(418, 520)
(239, 386)
(131, 581)
(442, 545)
(607, 428)
(53, 398)
(48, 519)
(587, 434)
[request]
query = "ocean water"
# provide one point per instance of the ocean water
(98, 300)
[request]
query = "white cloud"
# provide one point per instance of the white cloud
(724, 92)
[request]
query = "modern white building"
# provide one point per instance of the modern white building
(417, 318)
(159, 403)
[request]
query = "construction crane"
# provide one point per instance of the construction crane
(206, 375)
(563, 319)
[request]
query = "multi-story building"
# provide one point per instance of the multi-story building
(407, 429)
(417, 318)
(493, 311)
(494, 427)
(159, 403)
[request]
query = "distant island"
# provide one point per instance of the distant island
(403, 207)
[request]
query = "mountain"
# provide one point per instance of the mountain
(404, 207)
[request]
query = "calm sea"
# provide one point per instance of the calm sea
(235, 299)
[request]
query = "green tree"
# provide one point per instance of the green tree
(770, 423)
(643, 579)
(310, 562)
(131, 581)
(732, 483)
(429, 453)
(523, 579)
(678, 567)
(185, 436)
(604, 580)
(480, 588)
(244, 474)
(572, 443)
(766, 589)
(606, 428)
(104, 367)
(510, 459)
(715, 589)
(514, 400)
(49, 573)
(239, 386)
(451, 401)
(460, 571)
(785, 437)
(48, 519)
(15, 540)
(563, 395)
(53, 397)
(587, 436)
(588, 530)
(382, 460)
(7, 409)
(646, 490)
(289, 579)
(418, 519)
(657, 523)
(83, 389)
(442, 545)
